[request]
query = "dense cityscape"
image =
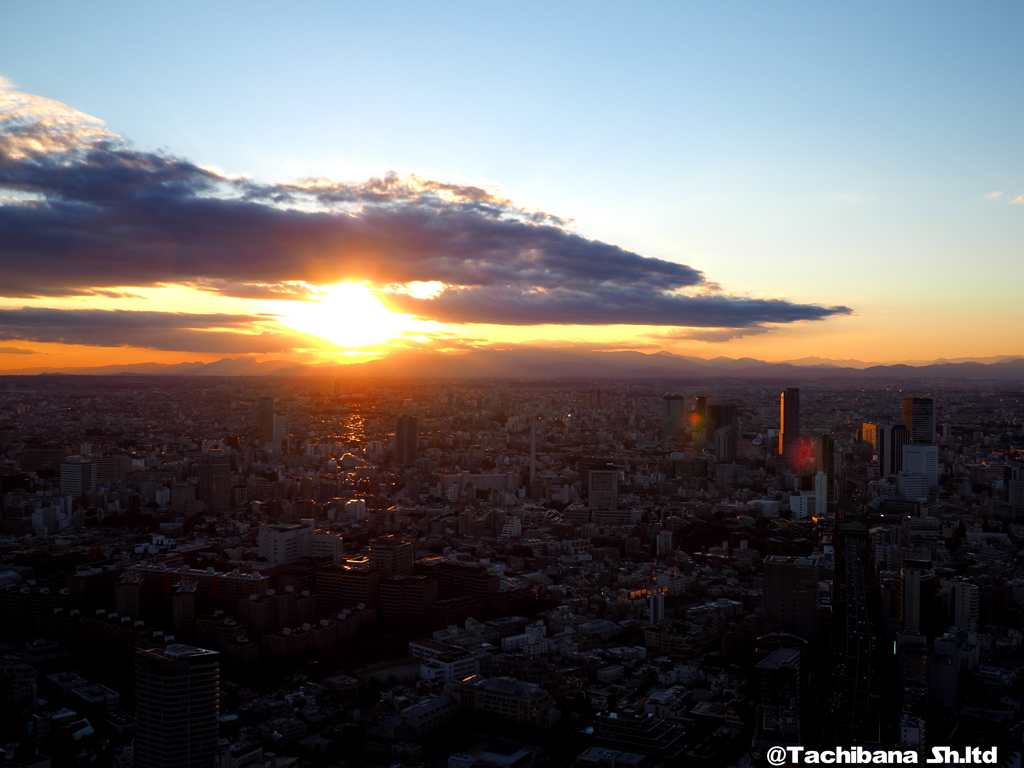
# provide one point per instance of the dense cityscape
(257, 571)
(534, 385)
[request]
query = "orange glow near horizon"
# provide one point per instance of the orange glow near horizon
(58, 356)
(349, 323)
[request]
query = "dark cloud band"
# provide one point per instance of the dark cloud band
(606, 304)
(96, 213)
(207, 333)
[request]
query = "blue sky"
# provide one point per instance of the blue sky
(829, 153)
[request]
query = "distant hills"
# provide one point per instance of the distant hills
(525, 362)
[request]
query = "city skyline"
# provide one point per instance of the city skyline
(260, 567)
(781, 184)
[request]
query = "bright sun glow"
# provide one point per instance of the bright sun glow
(347, 314)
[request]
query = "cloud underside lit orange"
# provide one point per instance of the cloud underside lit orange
(93, 227)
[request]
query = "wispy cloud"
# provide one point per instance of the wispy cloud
(88, 212)
(439, 340)
(17, 351)
(710, 335)
(586, 346)
(1019, 200)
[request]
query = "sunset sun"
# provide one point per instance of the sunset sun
(346, 314)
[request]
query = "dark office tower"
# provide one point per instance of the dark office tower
(266, 420)
(595, 399)
(917, 414)
(177, 692)
(533, 457)
(726, 442)
(917, 597)
(673, 417)
(789, 424)
(722, 431)
(215, 480)
(405, 441)
(719, 415)
(891, 439)
(828, 462)
(791, 594)
(700, 413)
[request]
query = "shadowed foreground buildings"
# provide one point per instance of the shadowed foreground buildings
(177, 692)
(509, 698)
(638, 605)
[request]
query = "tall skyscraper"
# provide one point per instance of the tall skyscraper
(917, 597)
(829, 463)
(266, 428)
(177, 697)
(405, 441)
(700, 413)
(281, 432)
(726, 442)
(215, 480)
(719, 415)
(917, 414)
(966, 598)
(789, 424)
(869, 434)
(791, 594)
(891, 439)
(674, 403)
(820, 494)
(533, 456)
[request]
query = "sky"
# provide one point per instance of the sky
(328, 181)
